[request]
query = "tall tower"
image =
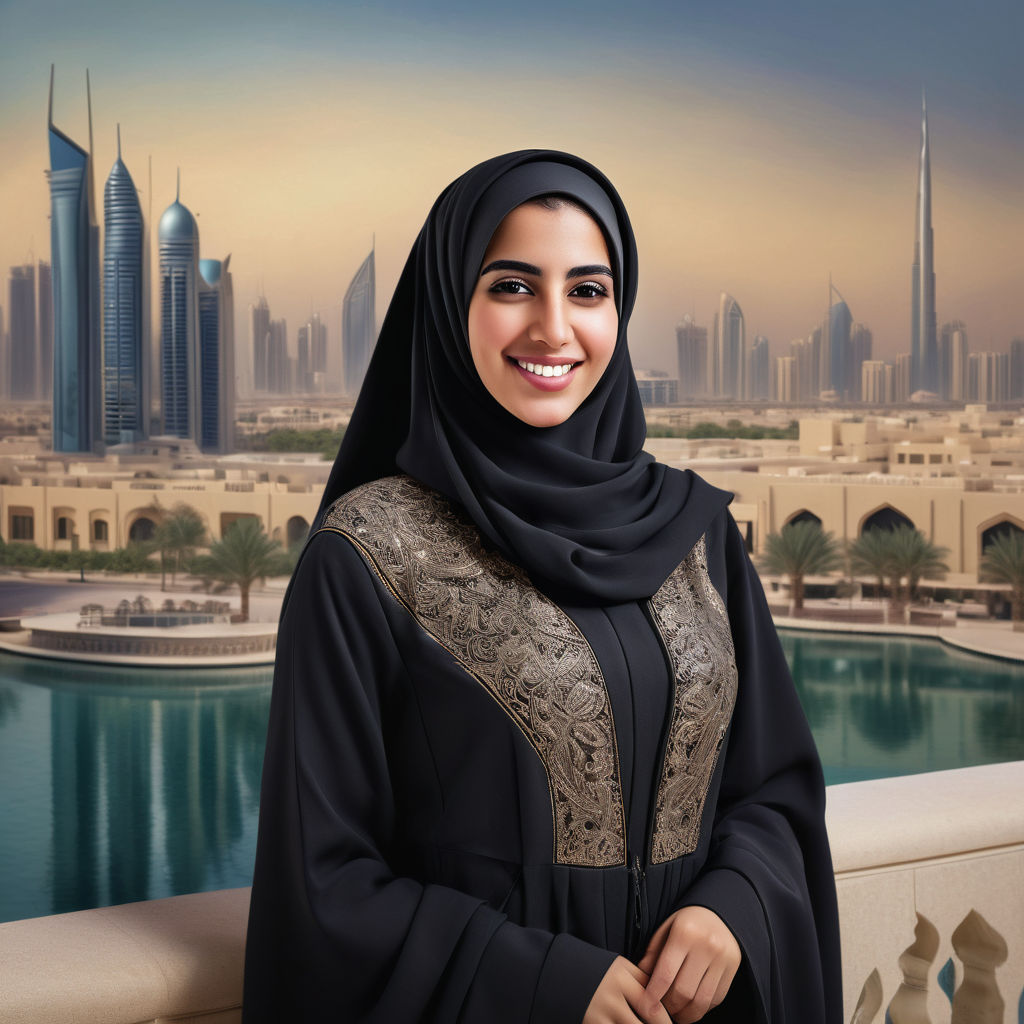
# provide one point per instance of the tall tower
(358, 332)
(216, 357)
(179, 321)
(260, 313)
(726, 368)
(74, 249)
(125, 346)
(44, 327)
(924, 355)
(21, 371)
(840, 324)
(692, 353)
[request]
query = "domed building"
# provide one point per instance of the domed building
(179, 321)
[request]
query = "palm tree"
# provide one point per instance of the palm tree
(243, 555)
(870, 555)
(1003, 562)
(913, 558)
(799, 550)
(179, 533)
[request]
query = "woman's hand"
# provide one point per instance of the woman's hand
(617, 999)
(691, 960)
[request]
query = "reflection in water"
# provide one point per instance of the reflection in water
(152, 790)
(897, 706)
(119, 786)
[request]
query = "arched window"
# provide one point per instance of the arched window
(885, 518)
(100, 530)
(63, 528)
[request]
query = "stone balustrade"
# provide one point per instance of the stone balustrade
(929, 873)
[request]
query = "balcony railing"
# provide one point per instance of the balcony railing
(929, 873)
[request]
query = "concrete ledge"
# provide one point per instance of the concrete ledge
(941, 845)
(139, 962)
(925, 817)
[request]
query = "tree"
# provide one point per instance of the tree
(870, 555)
(799, 550)
(179, 533)
(1003, 562)
(243, 555)
(913, 558)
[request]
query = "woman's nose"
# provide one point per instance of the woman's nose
(552, 325)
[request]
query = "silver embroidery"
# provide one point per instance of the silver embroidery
(522, 647)
(695, 628)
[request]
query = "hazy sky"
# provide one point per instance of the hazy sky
(758, 146)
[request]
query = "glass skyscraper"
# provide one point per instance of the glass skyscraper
(840, 322)
(727, 365)
(216, 357)
(21, 292)
(179, 322)
(74, 248)
(125, 352)
(358, 334)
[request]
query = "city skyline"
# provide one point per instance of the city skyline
(741, 173)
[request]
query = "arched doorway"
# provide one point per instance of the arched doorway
(803, 516)
(297, 530)
(142, 530)
(885, 518)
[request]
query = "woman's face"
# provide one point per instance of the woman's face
(542, 318)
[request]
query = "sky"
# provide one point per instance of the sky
(758, 147)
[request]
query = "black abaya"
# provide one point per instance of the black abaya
(475, 798)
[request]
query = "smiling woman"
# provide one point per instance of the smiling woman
(534, 753)
(542, 320)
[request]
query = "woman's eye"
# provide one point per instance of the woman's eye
(589, 290)
(510, 286)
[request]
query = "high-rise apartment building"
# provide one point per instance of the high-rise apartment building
(953, 350)
(358, 331)
(74, 250)
(877, 380)
(259, 314)
(692, 356)
(988, 376)
(901, 378)
(861, 341)
(758, 370)
(216, 357)
(22, 352)
(924, 355)
(726, 364)
(179, 322)
(1016, 368)
(785, 385)
(5, 361)
(279, 375)
(126, 372)
(44, 327)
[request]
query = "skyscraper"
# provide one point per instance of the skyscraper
(74, 249)
(21, 292)
(759, 370)
(44, 327)
(279, 376)
(861, 343)
(216, 357)
(179, 321)
(840, 324)
(358, 332)
(726, 365)
(125, 347)
(924, 357)
(260, 320)
(1016, 368)
(953, 360)
(5, 360)
(692, 354)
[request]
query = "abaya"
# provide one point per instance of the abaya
(528, 698)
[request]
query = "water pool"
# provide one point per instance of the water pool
(121, 784)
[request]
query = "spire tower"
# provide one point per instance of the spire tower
(924, 348)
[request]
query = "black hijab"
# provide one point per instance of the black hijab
(590, 515)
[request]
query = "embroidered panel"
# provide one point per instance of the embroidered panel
(528, 654)
(695, 628)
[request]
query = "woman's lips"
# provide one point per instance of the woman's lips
(543, 383)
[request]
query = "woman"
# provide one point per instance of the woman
(534, 751)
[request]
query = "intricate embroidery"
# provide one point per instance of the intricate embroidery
(521, 646)
(695, 629)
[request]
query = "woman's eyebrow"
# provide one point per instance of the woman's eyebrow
(587, 270)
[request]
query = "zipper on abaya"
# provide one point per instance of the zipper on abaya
(637, 864)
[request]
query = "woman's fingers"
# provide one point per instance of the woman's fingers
(636, 997)
(650, 957)
(689, 1001)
